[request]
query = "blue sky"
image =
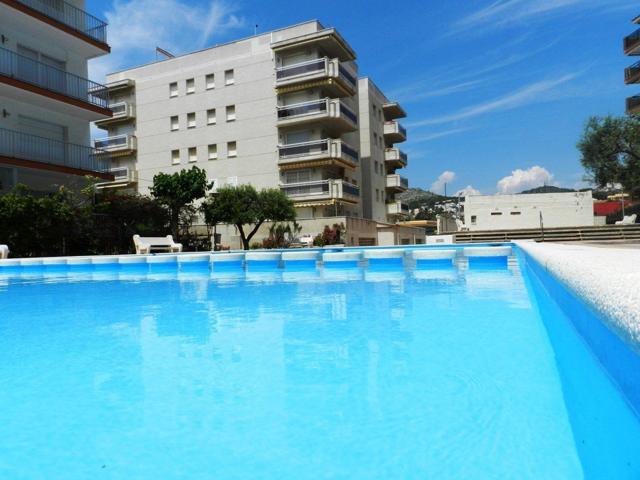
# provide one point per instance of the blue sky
(496, 91)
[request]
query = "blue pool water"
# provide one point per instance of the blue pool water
(378, 373)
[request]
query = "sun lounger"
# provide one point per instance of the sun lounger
(145, 245)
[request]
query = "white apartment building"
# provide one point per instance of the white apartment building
(519, 211)
(279, 109)
(46, 100)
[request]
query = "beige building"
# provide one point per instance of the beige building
(47, 100)
(280, 109)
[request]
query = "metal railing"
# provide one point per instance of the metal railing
(633, 103)
(50, 78)
(350, 152)
(394, 153)
(321, 188)
(116, 142)
(631, 71)
(303, 149)
(119, 109)
(71, 16)
(347, 75)
(404, 182)
(25, 146)
(302, 68)
(632, 40)
(312, 107)
(304, 108)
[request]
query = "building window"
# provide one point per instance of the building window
(375, 166)
(229, 77)
(377, 195)
(211, 116)
(473, 219)
(232, 149)
(193, 154)
(191, 120)
(375, 139)
(175, 157)
(191, 86)
(515, 213)
(210, 81)
(231, 113)
(213, 152)
(175, 123)
(496, 213)
(173, 89)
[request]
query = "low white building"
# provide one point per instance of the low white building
(520, 211)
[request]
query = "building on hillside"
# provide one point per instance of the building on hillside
(47, 100)
(631, 47)
(279, 109)
(520, 211)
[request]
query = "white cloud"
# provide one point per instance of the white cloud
(137, 27)
(520, 180)
(445, 177)
(466, 191)
(434, 135)
(537, 91)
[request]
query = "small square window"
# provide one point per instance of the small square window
(191, 86)
(173, 89)
(231, 113)
(473, 219)
(191, 120)
(229, 78)
(232, 150)
(175, 123)
(175, 157)
(193, 154)
(377, 195)
(213, 152)
(210, 81)
(375, 166)
(211, 116)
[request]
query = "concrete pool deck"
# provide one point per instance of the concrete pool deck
(608, 278)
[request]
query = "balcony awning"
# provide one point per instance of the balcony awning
(325, 82)
(323, 203)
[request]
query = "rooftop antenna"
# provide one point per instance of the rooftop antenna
(163, 52)
(255, 29)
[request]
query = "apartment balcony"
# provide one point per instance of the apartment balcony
(331, 113)
(122, 112)
(333, 76)
(393, 110)
(35, 82)
(396, 183)
(397, 208)
(395, 158)
(631, 43)
(322, 192)
(68, 26)
(31, 151)
(118, 145)
(317, 153)
(633, 105)
(394, 132)
(123, 177)
(632, 74)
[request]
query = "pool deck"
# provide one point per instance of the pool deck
(607, 278)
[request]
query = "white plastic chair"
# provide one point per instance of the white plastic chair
(627, 220)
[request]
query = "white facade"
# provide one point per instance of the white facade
(47, 101)
(280, 109)
(520, 211)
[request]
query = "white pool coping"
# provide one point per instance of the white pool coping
(434, 254)
(606, 278)
(383, 254)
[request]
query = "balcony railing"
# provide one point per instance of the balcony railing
(631, 73)
(333, 188)
(71, 16)
(329, 66)
(302, 68)
(633, 104)
(53, 79)
(39, 149)
(116, 143)
(325, 105)
(318, 148)
(632, 41)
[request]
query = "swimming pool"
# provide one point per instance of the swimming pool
(457, 371)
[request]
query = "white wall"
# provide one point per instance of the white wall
(505, 212)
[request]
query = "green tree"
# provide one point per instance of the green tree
(610, 148)
(245, 207)
(178, 191)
